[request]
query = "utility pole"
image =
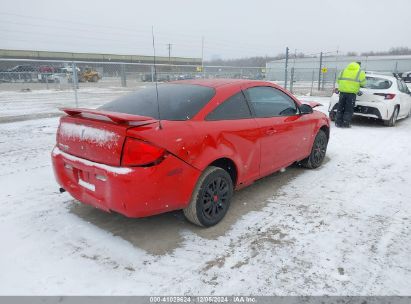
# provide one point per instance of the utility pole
(295, 56)
(169, 45)
(75, 81)
(319, 71)
(336, 68)
(286, 67)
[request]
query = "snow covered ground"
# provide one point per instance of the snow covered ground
(17, 103)
(343, 229)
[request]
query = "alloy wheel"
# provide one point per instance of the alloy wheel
(320, 148)
(215, 198)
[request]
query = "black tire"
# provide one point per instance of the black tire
(393, 120)
(332, 115)
(211, 198)
(318, 151)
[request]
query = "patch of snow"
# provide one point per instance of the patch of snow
(14, 103)
(98, 136)
(116, 170)
(86, 185)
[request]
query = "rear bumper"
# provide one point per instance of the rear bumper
(131, 191)
(367, 111)
(370, 109)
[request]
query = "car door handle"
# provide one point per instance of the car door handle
(270, 131)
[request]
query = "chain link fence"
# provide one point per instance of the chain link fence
(56, 83)
(38, 88)
(317, 75)
(81, 77)
(305, 81)
(36, 74)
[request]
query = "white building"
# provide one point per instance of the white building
(306, 69)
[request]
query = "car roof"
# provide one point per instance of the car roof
(214, 83)
(392, 78)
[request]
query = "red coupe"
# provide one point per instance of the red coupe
(186, 145)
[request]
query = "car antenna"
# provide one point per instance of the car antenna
(155, 76)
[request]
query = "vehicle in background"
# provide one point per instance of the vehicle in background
(384, 97)
(259, 76)
(406, 76)
(148, 77)
(163, 77)
(23, 69)
(67, 70)
(87, 74)
(24, 73)
(45, 73)
(3, 76)
(184, 77)
(185, 145)
(63, 74)
(46, 69)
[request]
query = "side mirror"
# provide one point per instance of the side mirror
(305, 109)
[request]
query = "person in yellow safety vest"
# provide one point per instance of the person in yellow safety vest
(349, 82)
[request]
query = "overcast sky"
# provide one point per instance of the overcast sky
(231, 28)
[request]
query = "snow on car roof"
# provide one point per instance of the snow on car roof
(384, 76)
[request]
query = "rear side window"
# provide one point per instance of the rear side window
(269, 102)
(177, 101)
(406, 89)
(234, 107)
(376, 83)
(402, 86)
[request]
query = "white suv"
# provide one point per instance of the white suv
(384, 97)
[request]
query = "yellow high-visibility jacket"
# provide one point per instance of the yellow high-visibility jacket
(351, 79)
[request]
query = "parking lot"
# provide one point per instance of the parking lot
(341, 229)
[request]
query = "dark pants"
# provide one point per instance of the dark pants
(345, 109)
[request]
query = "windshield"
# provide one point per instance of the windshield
(376, 83)
(177, 101)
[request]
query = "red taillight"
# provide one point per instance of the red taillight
(139, 153)
(336, 91)
(386, 95)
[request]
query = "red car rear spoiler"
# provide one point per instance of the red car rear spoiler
(113, 116)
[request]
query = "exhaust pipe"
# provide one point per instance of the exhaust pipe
(62, 190)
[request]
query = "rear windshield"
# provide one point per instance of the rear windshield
(177, 101)
(378, 83)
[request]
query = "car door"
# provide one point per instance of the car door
(405, 99)
(284, 133)
(236, 134)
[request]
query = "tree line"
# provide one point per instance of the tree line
(392, 51)
(259, 61)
